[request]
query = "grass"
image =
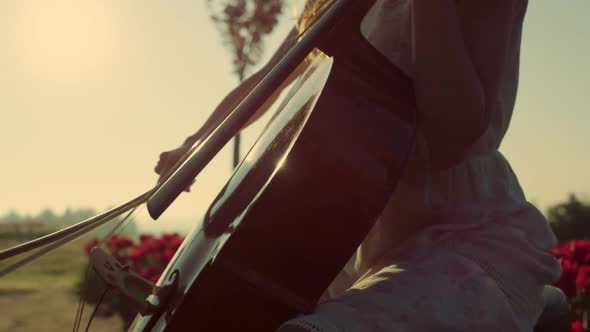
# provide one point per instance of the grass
(42, 296)
(59, 269)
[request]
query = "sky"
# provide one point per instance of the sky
(91, 92)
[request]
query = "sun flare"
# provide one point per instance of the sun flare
(65, 37)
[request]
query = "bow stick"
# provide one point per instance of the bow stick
(61, 237)
(68, 234)
(216, 140)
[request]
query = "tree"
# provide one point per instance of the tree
(47, 216)
(11, 216)
(243, 25)
(570, 220)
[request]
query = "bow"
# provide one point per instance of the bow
(57, 239)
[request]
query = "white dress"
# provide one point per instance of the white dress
(460, 249)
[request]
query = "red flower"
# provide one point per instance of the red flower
(175, 243)
(90, 245)
(155, 278)
(119, 242)
(567, 281)
(580, 249)
(577, 326)
(145, 237)
(138, 252)
(149, 272)
(167, 255)
(583, 279)
(169, 236)
(137, 257)
(564, 250)
(149, 257)
(156, 245)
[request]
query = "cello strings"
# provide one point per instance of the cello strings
(81, 302)
(50, 247)
(96, 308)
(123, 225)
(88, 224)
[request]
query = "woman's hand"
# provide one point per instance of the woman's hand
(168, 160)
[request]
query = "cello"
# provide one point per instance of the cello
(259, 256)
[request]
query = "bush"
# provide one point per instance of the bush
(149, 257)
(574, 256)
(570, 220)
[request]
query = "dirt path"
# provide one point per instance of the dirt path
(46, 310)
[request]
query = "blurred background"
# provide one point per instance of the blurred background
(91, 92)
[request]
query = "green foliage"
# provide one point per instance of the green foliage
(59, 269)
(21, 227)
(23, 234)
(571, 219)
(68, 217)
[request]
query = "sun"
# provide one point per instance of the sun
(63, 38)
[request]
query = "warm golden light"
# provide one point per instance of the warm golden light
(65, 38)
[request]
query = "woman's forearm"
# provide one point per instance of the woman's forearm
(450, 95)
(226, 106)
(236, 96)
(241, 91)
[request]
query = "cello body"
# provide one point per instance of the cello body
(295, 210)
